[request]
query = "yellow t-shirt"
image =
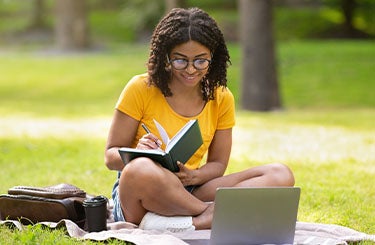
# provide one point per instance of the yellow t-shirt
(145, 103)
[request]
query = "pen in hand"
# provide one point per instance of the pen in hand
(149, 132)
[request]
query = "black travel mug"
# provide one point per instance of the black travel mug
(96, 213)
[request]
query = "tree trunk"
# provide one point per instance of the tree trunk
(37, 20)
(170, 4)
(260, 91)
(72, 28)
(348, 7)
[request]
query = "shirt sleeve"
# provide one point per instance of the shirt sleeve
(226, 109)
(131, 100)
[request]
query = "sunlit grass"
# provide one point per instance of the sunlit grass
(333, 164)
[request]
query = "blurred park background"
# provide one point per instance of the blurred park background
(323, 33)
(63, 64)
(107, 21)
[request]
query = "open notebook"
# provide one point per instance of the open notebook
(179, 148)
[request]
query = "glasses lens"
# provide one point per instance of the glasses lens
(201, 64)
(180, 64)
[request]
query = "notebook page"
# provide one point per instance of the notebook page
(162, 132)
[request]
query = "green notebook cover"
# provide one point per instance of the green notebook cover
(180, 148)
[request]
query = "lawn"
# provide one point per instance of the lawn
(56, 110)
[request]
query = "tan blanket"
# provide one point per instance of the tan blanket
(306, 233)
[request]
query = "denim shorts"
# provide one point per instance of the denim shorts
(191, 188)
(117, 210)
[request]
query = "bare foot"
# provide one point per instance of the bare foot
(204, 220)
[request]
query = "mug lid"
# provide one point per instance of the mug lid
(95, 201)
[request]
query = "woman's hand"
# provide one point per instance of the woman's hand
(185, 175)
(149, 141)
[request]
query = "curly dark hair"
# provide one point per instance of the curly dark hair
(180, 26)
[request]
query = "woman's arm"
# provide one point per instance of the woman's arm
(121, 134)
(217, 161)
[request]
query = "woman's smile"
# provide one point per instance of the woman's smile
(189, 52)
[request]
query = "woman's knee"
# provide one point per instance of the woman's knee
(283, 175)
(140, 169)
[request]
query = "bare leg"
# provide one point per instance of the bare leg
(275, 174)
(146, 186)
(267, 175)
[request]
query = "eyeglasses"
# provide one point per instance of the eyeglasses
(181, 64)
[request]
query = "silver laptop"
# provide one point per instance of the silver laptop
(255, 215)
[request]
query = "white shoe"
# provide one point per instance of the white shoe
(152, 221)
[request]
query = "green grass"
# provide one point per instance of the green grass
(74, 85)
(327, 74)
(56, 110)
(332, 163)
(39, 234)
(35, 235)
(311, 74)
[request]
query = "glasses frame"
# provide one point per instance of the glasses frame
(188, 62)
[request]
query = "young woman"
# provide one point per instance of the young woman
(186, 80)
